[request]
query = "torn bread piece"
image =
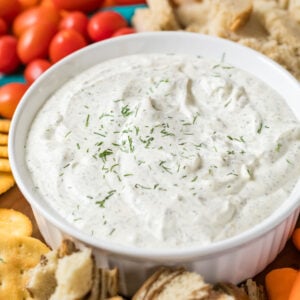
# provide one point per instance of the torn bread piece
(70, 273)
(215, 17)
(42, 281)
(74, 276)
(159, 16)
(254, 291)
(293, 7)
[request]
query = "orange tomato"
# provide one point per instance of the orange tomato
(82, 5)
(34, 42)
(35, 15)
(10, 96)
(35, 68)
(64, 43)
(9, 60)
(25, 4)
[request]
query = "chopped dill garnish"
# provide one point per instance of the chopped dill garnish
(125, 111)
(162, 164)
(112, 231)
(260, 128)
(193, 180)
(87, 120)
(101, 203)
(105, 153)
(137, 185)
(66, 165)
(78, 146)
(164, 132)
(105, 115)
(68, 134)
(278, 147)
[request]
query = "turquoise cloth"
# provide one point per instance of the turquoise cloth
(126, 11)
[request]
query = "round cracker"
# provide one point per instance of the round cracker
(18, 254)
(13, 222)
(4, 165)
(3, 139)
(3, 151)
(4, 125)
(6, 182)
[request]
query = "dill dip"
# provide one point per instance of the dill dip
(160, 151)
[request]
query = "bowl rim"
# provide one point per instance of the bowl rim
(182, 253)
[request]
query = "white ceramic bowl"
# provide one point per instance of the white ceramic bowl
(233, 259)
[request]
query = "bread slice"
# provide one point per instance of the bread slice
(159, 16)
(74, 275)
(42, 282)
(254, 291)
(231, 290)
(186, 285)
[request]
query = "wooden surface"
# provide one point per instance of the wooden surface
(289, 257)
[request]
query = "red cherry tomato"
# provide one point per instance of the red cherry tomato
(9, 60)
(103, 25)
(64, 43)
(10, 96)
(35, 15)
(9, 9)
(35, 68)
(25, 4)
(3, 27)
(124, 31)
(35, 41)
(76, 20)
(82, 5)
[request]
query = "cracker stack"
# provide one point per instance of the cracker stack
(6, 178)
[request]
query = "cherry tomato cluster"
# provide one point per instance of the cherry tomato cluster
(34, 34)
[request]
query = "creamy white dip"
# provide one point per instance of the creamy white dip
(164, 150)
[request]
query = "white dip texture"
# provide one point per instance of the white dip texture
(161, 151)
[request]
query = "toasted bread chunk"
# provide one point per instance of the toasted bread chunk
(294, 9)
(42, 281)
(159, 16)
(185, 285)
(231, 290)
(163, 14)
(109, 283)
(232, 14)
(215, 17)
(194, 14)
(143, 20)
(254, 291)
(74, 276)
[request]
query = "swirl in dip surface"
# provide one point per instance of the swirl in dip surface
(164, 150)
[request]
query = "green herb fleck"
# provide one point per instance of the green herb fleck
(278, 147)
(68, 134)
(260, 128)
(125, 111)
(105, 153)
(101, 203)
(87, 120)
(162, 164)
(194, 179)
